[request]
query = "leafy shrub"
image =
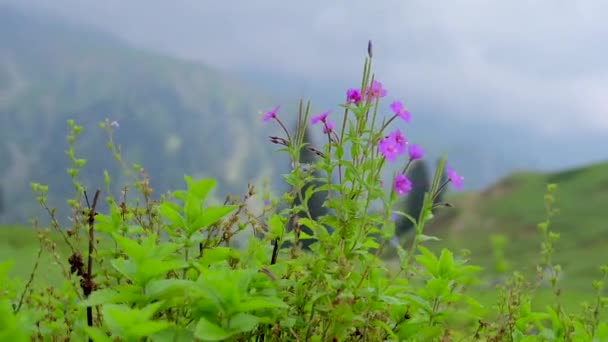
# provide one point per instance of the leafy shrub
(166, 269)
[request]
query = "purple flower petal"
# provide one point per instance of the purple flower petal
(416, 152)
(319, 118)
(400, 111)
(271, 114)
(455, 178)
(353, 96)
(402, 185)
(329, 127)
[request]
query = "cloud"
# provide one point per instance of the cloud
(539, 63)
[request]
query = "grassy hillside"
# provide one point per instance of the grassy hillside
(21, 245)
(513, 208)
(175, 117)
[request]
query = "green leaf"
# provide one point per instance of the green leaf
(132, 323)
(168, 288)
(150, 268)
(174, 334)
(386, 328)
(209, 331)
(123, 294)
(419, 302)
(169, 212)
(193, 211)
(104, 223)
(371, 244)
(424, 238)
(213, 214)
(339, 152)
(96, 334)
(243, 322)
(180, 195)
(126, 267)
(200, 188)
(11, 329)
(260, 303)
(276, 226)
(319, 230)
(446, 263)
(438, 287)
(130, 247)
(218, 254)
(116, 317)
(419, 331)
(428, 260)
(145, 329)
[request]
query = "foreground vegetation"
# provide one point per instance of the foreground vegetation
(166, 269)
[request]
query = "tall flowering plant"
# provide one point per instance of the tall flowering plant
(358, 144)
(355, 153)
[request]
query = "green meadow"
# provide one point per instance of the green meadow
(511, 210)
(21, 245)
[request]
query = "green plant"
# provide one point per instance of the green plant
(164, 268)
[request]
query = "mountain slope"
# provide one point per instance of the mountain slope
(514, 206)
(175, 117)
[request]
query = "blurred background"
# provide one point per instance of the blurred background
(514, 92)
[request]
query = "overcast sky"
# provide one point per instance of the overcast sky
(541, 63)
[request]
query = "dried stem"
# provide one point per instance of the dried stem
(87, 281)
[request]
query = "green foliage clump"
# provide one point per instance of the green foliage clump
(147, 268)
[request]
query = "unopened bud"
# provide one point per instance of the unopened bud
(315, 151)
(279, 141)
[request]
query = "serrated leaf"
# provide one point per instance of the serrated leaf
(192, 211)
(208, 331)
(438, 287)
(200, 188)
(428, 260)
(420, 302)
(130, 247)
(146, 329)
(168, 288)
(319, 230)
(96, 334)
(211, 215)
(150, 268)
(446, 263)
(112, 296)
(173, 334)
(125, 267)
(149, 310)
(243, 322)
(218, 254)
(169, 212)
(116, 317)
